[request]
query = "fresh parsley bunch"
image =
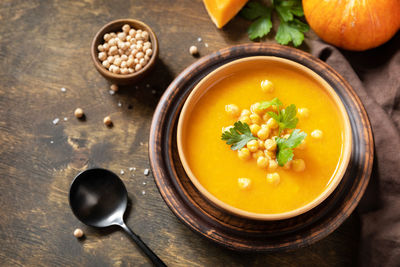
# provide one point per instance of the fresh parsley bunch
(290, 29)
(285, 146)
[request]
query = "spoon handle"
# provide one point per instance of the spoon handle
(152, 256)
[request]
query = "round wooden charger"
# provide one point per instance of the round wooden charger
(239, 233)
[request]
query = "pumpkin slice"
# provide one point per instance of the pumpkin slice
(222, 11)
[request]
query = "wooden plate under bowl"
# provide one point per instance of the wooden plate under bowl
(240, 233)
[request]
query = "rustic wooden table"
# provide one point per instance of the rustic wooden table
(44, 46)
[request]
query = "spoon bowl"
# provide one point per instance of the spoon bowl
(99, 198)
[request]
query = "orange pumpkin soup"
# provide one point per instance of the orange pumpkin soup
(243, 182)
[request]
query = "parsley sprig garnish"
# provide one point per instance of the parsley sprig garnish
(285, 146)
(238, 136)
(286, 118)
(290, 29)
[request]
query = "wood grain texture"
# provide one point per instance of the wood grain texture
(45, 45)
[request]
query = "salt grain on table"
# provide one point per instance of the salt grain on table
(199, 39)
(143, 192)
(65, 118)
(111, 92)
(144, 183)
(153, 92)
(51, 142)
(206, 45)
(146, 172)
(122, 172)
(63, 90)
(119, 104)
(131, 169)
(55, 121)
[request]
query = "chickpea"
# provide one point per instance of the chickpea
(107, 121)
(266, 117)
(317, 134)
(193, 50)
(254, 128)
(128, 39)
(258, 154)
(270, 154)
(100, 48)
(126, 28)
(139, 55)
(117, 61)
(116, 69)
(78, 233)
(113, 34)
(244, 153)
(112, 42)
(273, 165)
(270, 145)
(298, 165)
(142, 62)
(256, 119)
(245, 112)
(124, 70)
(303, 112)
(138, 36)
(78, 113)
(139, 47)
(114, 87)
(261, 144)
(245, 119)
(106, 64)
(149, 51)
(138, 67)
(302, 145)
(121, 36)
(106, 47)
(132, 32)
(232, 110)
(263, 133)
(129, 63)
(110, 59)
(244, 183)
(262, 162)
(123, 64)
(255, 108)
(271, 123)
(107, 37)
(113, 50)
(130, 70)
(273, 178)
(102, 56)
(267, 86)
(252, 145)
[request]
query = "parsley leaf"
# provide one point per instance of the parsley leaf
(290, 28)
(263, 23)
(238, 136)
(286, 118)
(286, 145)
(291, 31)
(274, 102)
(288, 9)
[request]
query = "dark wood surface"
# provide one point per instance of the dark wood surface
(44, 46)
(244, 234)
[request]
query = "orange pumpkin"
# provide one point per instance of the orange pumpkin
(353, 24)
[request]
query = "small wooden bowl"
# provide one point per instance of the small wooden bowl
(116, 26)
(245, 63)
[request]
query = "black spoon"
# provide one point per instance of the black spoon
(99, 198)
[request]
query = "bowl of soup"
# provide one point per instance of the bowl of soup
(264, 138)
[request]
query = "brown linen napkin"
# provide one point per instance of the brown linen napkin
(375, 76)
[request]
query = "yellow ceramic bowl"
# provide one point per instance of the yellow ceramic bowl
(213, 81)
